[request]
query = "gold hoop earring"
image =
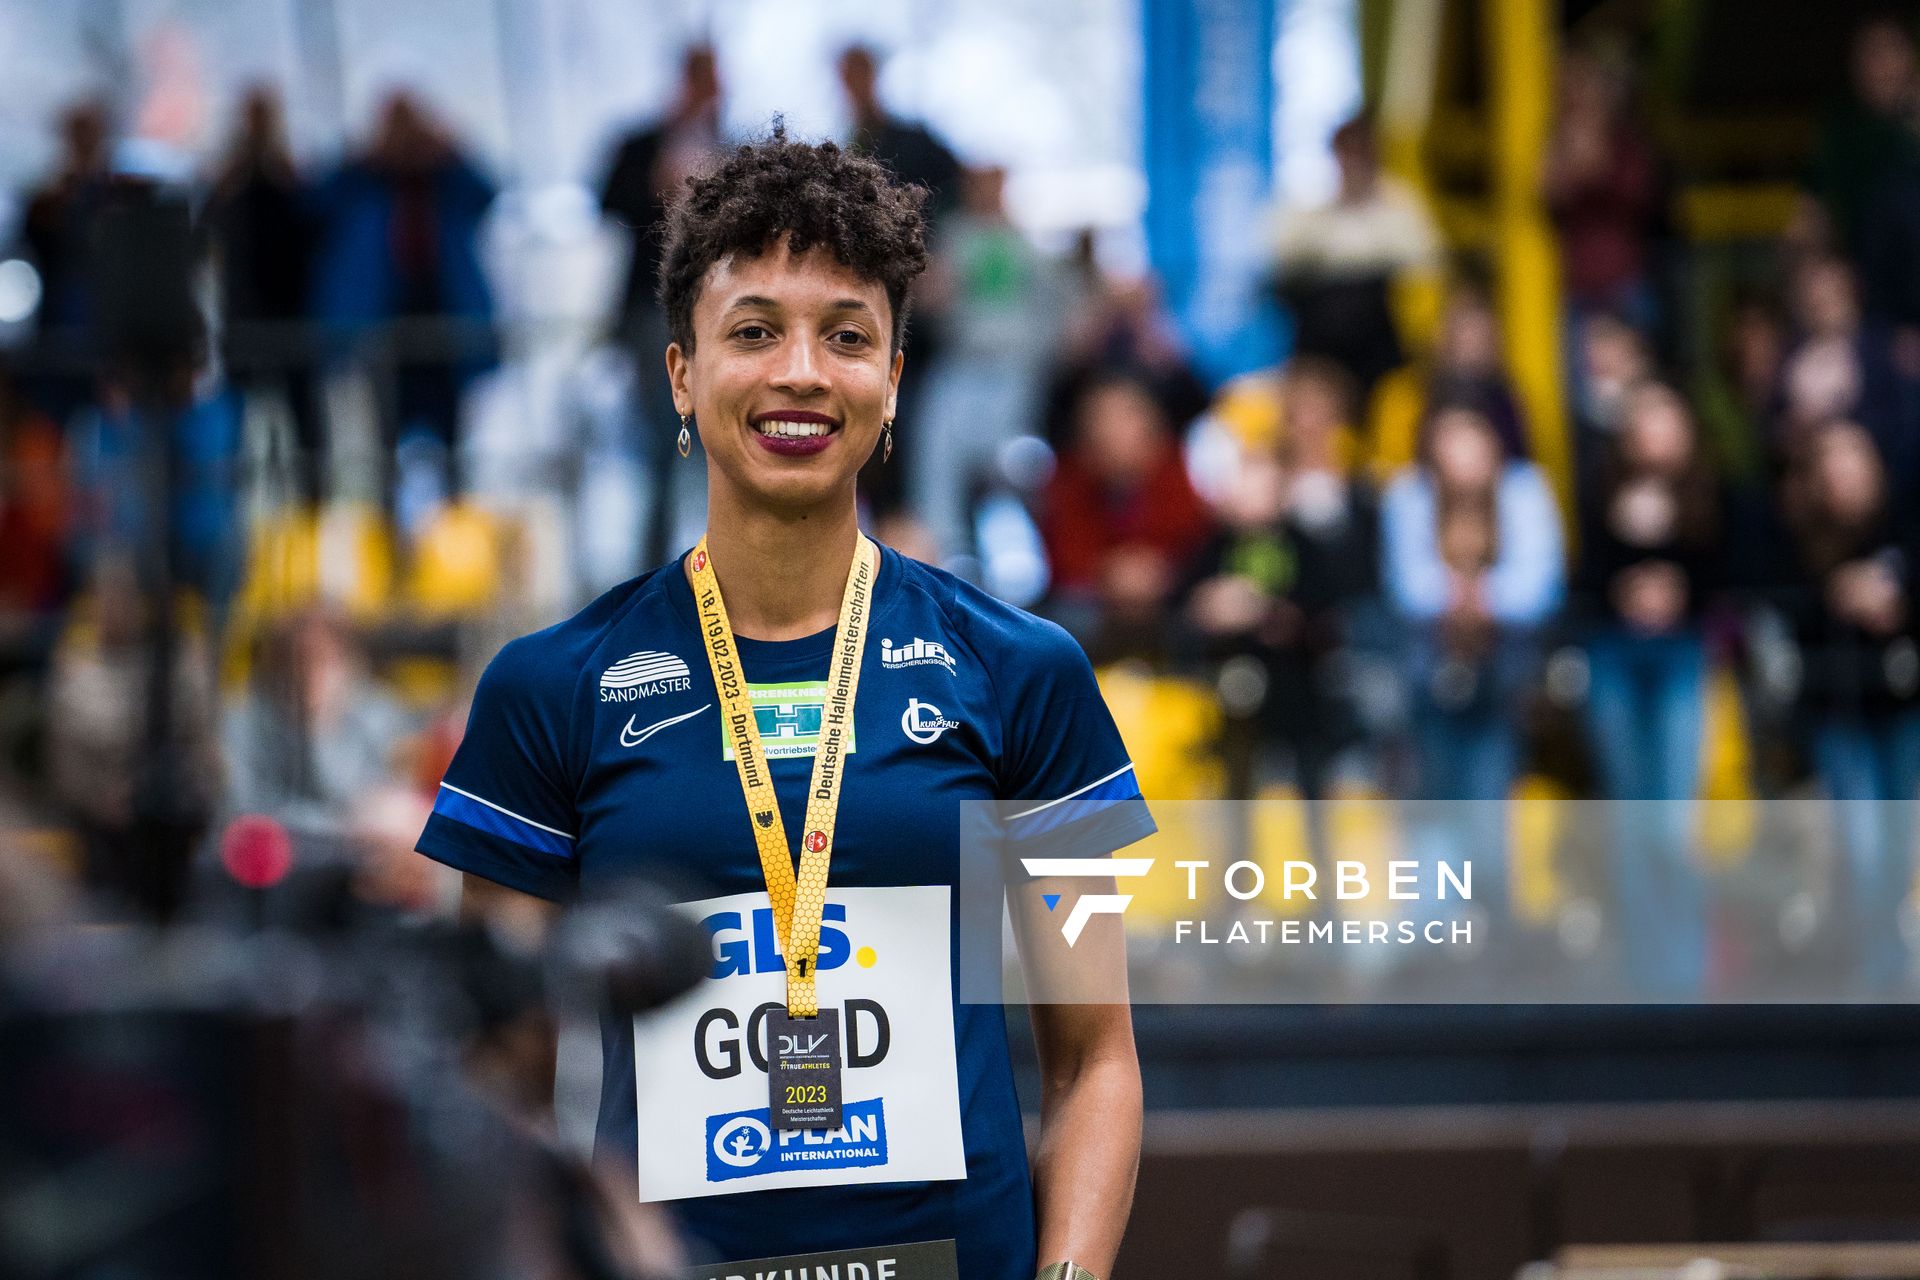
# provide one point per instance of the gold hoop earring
(686, 437)
(886, 441)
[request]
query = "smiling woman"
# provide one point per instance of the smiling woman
(785, 283)
(824, 1090)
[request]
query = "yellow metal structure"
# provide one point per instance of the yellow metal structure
(1520, 63)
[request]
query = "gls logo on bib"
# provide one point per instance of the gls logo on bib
(724, 1044)
(700, 1082)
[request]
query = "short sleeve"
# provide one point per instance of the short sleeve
(1067, 782)
(505, 810)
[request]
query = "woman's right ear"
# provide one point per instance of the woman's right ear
(678, 366)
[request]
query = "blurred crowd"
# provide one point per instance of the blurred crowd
(1356, 558)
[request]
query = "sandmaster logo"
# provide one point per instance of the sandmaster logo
(1087, 905)
(643, 674)
(744, 1144)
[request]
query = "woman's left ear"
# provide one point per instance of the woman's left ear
(893, 382)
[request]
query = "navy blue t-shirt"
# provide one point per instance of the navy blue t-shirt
(595, 751)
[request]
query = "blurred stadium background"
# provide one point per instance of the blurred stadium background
(1254, 325)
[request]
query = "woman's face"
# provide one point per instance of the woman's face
(1827, 303)
(1120, 434)
(1315, 415)
(1758, 346)
(1469, 339)
(1466, 452)
(1658, 433)
(790, 377)
(1847, 475)
(1882, 66)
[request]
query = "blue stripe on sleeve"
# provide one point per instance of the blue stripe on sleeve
(495, 821)
(1102, 795)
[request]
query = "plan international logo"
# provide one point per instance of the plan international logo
(921, 653)
(744, 1144)
(643, 674)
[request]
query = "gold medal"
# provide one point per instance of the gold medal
(798, 900)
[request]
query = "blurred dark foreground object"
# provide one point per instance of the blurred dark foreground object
(1855, 1261)
(150, 339)
(259, 1102)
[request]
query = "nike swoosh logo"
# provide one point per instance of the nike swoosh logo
(630, 737)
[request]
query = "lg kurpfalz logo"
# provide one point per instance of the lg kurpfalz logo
(1087, 905)
(744, 1144)
(923, 723)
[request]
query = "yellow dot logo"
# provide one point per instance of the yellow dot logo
(865, 957)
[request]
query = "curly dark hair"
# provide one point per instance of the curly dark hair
(812, 193)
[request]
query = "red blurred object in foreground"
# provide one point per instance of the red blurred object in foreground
(256, 851)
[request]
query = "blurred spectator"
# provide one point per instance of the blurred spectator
(109, 774)
(1611, 360)
(1296, 552)
(1121, 323)
(260, 218)
(388, 870)
(1001, 315)
(1258, 413)
(1605, 193)
(1853, 612)
(1738, 391)
(399, 248)
(1867, 173)
(315, 736)
(1871, 137)
(34, 512)
(1119, 517)
(914, 153)
(1651, 554)
(57, 230)
(649, 166)
(1842, 367)
(1335, 266)
(1473, 566)
(113, 456)
(1466, 367)
(910, 150)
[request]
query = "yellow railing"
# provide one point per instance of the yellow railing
(1520, 57)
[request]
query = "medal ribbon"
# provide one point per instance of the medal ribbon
(797, 900)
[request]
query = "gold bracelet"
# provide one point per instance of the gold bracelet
(1065, 1271)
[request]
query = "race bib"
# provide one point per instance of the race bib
(934, 1260)
(701, 1063)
